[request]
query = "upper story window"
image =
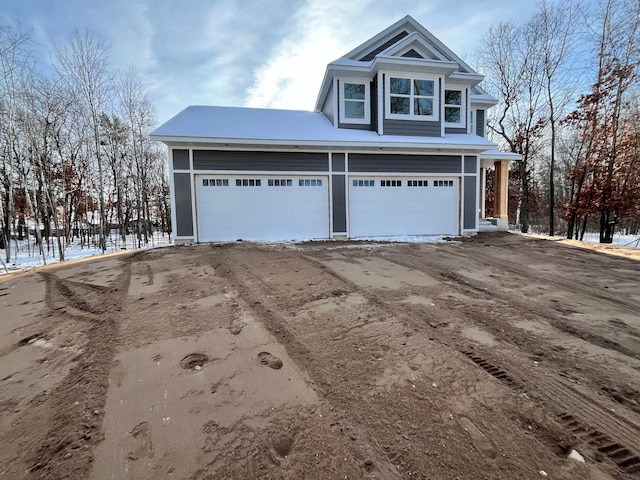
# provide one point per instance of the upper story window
(354, 101)
(454, 107)
(411, 98)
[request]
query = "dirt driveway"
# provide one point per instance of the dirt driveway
(488, 358)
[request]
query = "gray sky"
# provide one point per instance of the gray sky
(258, 53)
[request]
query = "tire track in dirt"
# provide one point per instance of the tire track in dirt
(557, 396)
(565, 401)
(259, 296)
(73, 411)
(394, 427)
(571, 285)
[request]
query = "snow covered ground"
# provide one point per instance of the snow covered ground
(28, 256)
(629, 241)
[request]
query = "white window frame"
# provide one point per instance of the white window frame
(367, 101)
(462, 106)
(411, 116)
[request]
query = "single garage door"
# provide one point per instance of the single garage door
(392, 206)
(259, 207)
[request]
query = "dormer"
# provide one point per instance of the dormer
(403, 81)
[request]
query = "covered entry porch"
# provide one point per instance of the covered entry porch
(499, 163)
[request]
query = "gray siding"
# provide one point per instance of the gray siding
(338, 193)
(260, 161)
(327, 108)
(181, 160)
(480, 123)
(469, 214)
(470, 164)
(411, 127)
(337, 162)
(372, 162)
(455, 130)
(370, 56)
(184, 214)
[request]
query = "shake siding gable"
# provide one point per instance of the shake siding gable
(371, 55)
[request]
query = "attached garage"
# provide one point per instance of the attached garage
(400, 205)
(261, 207)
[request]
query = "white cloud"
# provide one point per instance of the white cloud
(291, 76)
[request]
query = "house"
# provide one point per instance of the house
(396, 146)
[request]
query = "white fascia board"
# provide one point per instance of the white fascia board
(499, 155)
(387, 32)
(328, 145)
(413, 39)
(413, 65)
(483, 102)
(337, 70)
(471, 79)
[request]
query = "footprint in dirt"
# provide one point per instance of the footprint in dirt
(236, 327)
(142, 434)
(282, 445)
(270, 360)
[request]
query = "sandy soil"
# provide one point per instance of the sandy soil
(488, 358)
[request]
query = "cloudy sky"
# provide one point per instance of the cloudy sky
(266, 53)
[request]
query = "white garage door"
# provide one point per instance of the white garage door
(403, 206)
(258, 207)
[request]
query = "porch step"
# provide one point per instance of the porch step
(488, 225)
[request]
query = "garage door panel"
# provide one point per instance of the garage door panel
(276, 209)
(400, 209)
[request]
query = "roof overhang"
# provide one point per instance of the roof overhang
(488, 157)
(275, 144)
(395, 64)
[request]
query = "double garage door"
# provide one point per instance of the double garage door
(394, 205)
(261, 207)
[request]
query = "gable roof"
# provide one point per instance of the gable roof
(388, 49)
(233, 126)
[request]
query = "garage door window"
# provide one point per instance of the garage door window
(417, 183)
(390, 183)
(364, 183)
(215, 182)
(280, 182)
(248, 182)
(310, 182)
(443, 183)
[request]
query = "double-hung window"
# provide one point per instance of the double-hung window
(354, 101)
(454, 111)
(411, 98)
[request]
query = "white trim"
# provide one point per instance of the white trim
(412, 96)
(463, 105)
(335, 103)
(367, 100)
(194, 213)
(172, 193)
(338, 145)
(380, 93)
(346, 194)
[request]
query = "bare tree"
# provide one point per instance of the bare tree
(557, 36)
(83, 62)
(139, 115)
(508, 53)
(15, 62)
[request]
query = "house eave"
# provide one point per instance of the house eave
(324, 145)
